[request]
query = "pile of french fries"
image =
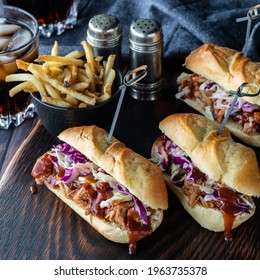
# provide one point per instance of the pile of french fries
(76, 80)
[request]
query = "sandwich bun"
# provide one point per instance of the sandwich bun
(140, 176)
(218, 156)
(225, 66)
(229, 69)
(111, 231)
(208, 218)
(235, 128)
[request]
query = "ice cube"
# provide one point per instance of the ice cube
(20, 38)
(2, 20)
(4, 41)
(8, 29)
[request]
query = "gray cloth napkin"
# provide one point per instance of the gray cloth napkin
(186, 24)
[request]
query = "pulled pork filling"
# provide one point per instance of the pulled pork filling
(91, 187)
(217, 101)
(199, 188)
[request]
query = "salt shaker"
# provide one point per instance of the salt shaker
(104, 34)
(146, 48)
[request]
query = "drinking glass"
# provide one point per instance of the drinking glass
(54, 16)
(19, 24)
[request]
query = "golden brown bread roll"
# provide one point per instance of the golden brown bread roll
(225, 66)
(110, 186)
(218, 70)
(209, 173)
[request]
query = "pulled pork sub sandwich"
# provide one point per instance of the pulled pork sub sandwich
(212, 176)
(118, 192)
(217, 70)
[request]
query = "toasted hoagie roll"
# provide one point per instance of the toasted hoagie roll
(216, 71)
(213, 176)
(117, 191)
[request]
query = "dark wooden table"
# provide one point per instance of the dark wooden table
(40, 226)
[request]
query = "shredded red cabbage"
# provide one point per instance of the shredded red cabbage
(73, 173)
(209, 85)
(240, 204)
(171, 150)
(74, 155)
(139, 207)
(179, 159)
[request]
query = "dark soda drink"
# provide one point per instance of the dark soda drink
(46, 11)
(19, 40)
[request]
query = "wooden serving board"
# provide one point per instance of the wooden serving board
(40, 226)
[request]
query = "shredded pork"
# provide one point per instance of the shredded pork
(190, 89)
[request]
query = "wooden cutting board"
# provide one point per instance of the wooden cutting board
(40, 226)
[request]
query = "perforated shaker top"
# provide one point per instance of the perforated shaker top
(104, 27)
(145, 31)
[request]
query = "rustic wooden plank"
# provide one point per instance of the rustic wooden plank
(40, 226)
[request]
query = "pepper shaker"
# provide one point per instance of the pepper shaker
(146, 48)
(104, 34)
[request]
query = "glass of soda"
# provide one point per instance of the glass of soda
(54, 16)
(19, 39)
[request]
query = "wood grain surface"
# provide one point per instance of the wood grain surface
(40, 226)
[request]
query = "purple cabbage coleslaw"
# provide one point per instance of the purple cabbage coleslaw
(76, 164)
(224, 99)
(173, 155)
(139, 207)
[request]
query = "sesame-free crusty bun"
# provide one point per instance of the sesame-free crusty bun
(218, 156)
(209, 218)
(226, 67)
(212, 176)
(235, 128)
(117, 191)
(142, 177)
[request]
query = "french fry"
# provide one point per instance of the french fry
(21, 77)
(38, 72)
(90, 75)
(22, 64)
(60, 60)
(67, 77)
(89, 55)
(107, 86)
(39, 85)
(52, 91)
(83, 105)
(70, 75)
(109, 65)
(80, 86)
(75, 54)
(104, 97)
(75, 80)
(71, 100)
(13, 91)
(55, 49)
(55, 102)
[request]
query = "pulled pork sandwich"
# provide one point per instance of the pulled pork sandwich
(117, 191)
(216, 71)
(212, 176)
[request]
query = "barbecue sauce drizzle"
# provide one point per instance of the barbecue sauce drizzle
(229, 210)
(228, 207)
(134, 226)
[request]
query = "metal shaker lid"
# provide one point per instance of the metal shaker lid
(104, 30)
(145, 32)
